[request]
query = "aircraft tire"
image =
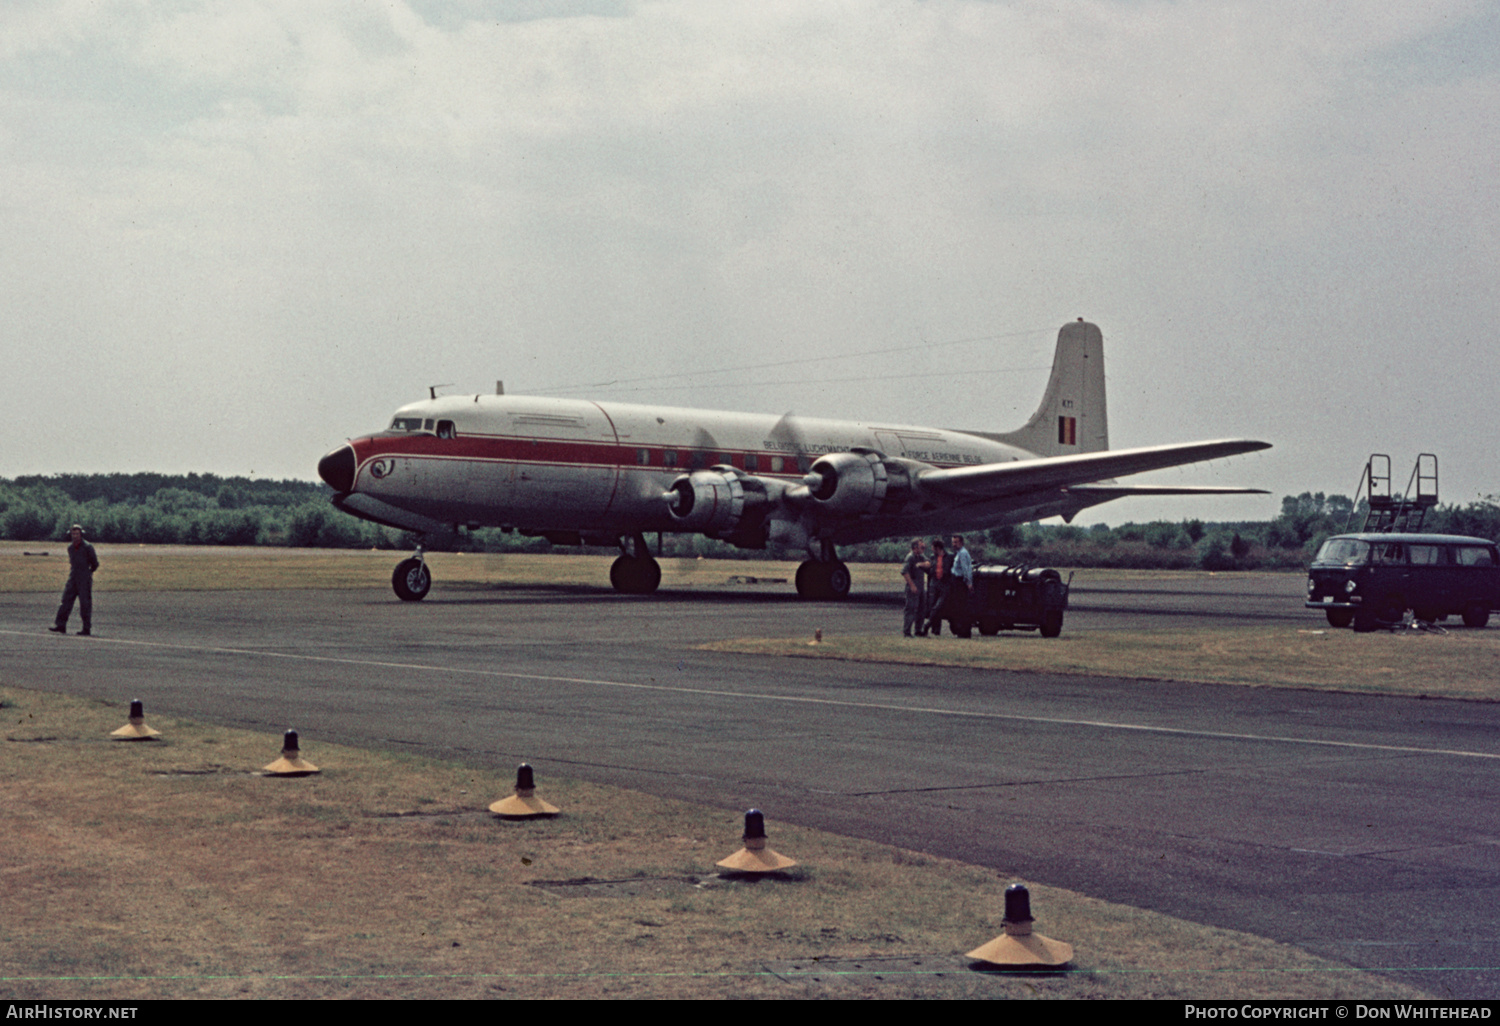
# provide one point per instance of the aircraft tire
(635, 575)
(1339, 617)
(411, 580)
(822, 582)
(837, 580)
(807, 580)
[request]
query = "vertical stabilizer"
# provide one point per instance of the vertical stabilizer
(1071, 418)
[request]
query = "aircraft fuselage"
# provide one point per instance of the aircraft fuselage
(545, 465)
(579, 471)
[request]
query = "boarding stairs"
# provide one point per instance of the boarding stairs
(1392, 512)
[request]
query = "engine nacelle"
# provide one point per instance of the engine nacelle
(711, 501)
(848, 483)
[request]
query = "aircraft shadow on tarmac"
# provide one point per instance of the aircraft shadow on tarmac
(505, 594)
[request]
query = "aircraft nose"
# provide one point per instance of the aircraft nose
(337, 468)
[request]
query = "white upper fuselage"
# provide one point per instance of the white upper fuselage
(587, 470)
(572, 465)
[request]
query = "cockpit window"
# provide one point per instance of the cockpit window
(408, 424)
(445, 429)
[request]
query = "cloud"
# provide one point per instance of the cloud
(317, 209)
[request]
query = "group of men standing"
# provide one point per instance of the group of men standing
(937, 588)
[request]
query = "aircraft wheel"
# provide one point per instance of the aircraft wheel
(1475, 615)
(1052, 623)
(411, 581)
(837, 580)
(1339, 617)
(822, 581)
(809, 580)
(634, 575)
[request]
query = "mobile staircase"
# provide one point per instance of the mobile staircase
(1392, 512)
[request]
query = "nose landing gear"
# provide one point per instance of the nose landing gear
(412, 580)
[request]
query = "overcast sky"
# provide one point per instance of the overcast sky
(236, 233)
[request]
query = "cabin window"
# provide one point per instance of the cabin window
(643, 457)
(776, 464)
(669, 458)
(1426, 555)
(445, 429)
(752, 462)
(1474, 555)
(697, 460)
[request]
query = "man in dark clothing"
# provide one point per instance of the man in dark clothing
(914, 576)
(941, 578)
(82, 562)
(960, 589)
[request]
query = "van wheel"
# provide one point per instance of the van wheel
(1052, 621)
(1475, 615)
(1339, 617)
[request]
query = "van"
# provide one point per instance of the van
(1372, 579)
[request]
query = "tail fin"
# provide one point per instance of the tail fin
(1071, 417)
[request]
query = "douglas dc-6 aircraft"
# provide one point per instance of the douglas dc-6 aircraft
(579, 472)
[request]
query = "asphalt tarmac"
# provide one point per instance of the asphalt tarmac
(1361, 828)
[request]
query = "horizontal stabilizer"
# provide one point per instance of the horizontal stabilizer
(999, 480)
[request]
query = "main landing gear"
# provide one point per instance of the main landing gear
(823, 578)
(412, 580)
(635, 572)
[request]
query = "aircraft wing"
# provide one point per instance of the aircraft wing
(999, 480)
(1104, 493)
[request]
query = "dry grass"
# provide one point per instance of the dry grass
(1461, 664)
(171, 869)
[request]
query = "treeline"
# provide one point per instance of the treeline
(1285, 543)
(205, 509)
(180, 509)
